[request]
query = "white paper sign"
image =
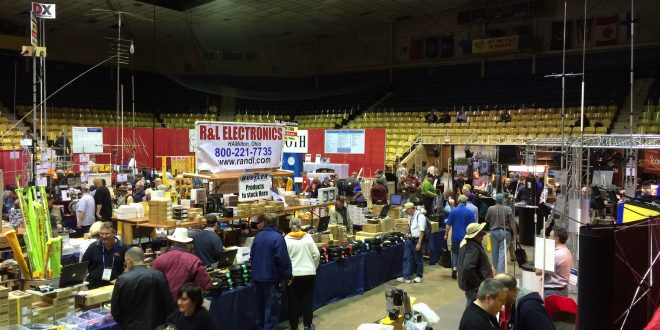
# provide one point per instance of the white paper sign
(549, 254)
(192, 139)
(84, 168)
(254, 186)
(87, 140)
(42, 181)
(84, 158)
(14, 155)
(299, 144)
(238, 146)
(43, 10)
(122, 177)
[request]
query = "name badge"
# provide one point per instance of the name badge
(107, 273)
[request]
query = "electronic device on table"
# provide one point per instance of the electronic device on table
(227, 258)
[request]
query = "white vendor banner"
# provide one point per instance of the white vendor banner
(238, 146)
(254, 186)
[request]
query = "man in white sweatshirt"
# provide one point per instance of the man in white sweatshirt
(305, 259)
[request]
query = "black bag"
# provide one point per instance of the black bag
(445, 258)
(521, 255)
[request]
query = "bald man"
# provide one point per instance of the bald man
(141, 298)
(103, 201)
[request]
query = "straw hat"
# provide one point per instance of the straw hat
(180, 235)
(408, 206)
(472, 230)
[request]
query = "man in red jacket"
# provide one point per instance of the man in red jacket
(181, 266)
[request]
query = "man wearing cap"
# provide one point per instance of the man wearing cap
(502, 225)
(271, 268)
(181, 266)
(412, 249)
(473, 264)
(457, 221)
(207, 245)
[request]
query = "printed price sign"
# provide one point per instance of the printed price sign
(254, 186)
(237, 146)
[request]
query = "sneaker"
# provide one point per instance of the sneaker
(403, 280)
(417, 279)
(453, 274)
(311, 327)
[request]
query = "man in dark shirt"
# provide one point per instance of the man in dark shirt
(445, 118)
(103, 201)
(431, 117)
(459, 183)
(379, 193)
(206, 242)
(105, 258)
(480, 314)
(141, 298)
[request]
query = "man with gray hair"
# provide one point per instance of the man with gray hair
(141, 298)
(480, 314)
(85, 210)
(271, 268)
(527, 308)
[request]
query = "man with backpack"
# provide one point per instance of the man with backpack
(413, 261)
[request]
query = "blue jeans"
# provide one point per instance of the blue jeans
(557, 292)
(269, 303)
(413, 261)
(455, 249)
(497, 238)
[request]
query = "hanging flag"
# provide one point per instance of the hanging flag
(432, 50)
(416, 48)
(404, 48)
(579, 30)
(447, 46)
(557, 37)
(606, 33)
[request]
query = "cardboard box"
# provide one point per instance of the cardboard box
(394, 212)
(401, 228)
(363, 234)
(387, 224)
(372, 228)
(376, 209)
(98, 296)
(435, 226)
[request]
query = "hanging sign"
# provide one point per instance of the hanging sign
(34, 31)
(254, 186)
(238, 146)
(489, 45)
(298, 145)
(43, 10)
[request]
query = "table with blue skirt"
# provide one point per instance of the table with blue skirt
(335, 280)
(434, 246)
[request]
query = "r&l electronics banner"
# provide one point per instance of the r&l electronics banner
(254, 186)
(495, 44)
(238, 146)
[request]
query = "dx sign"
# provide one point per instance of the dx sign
(42, 10)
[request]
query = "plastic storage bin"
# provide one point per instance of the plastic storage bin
(72, 323)
(105, 313)
(94, 320)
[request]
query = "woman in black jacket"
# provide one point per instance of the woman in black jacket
(191, 314)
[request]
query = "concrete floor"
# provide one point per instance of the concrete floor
(438, 290)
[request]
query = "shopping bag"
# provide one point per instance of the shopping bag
(445, 258)
(521, 255)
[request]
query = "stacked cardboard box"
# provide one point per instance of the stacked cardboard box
(364, 234)
(97, 296)
(372, 227)
(63, 302)
(159, 210)
(4, 306)
(338, 232)
(193, 213)
(19, 306)
(387, 224)
(401, 225)
(376, 209)
(394, 213)
(43, 313)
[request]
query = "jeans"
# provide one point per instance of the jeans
(470, 296)
(428, 205)
(557, 292)
(455, 249)
(413, 261)
(268, 304)
(301, 300)
(497, 238)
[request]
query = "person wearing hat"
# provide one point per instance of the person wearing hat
(502, 226)
(271, 270)
(181, 266)
(125, 196)
(413, 260)
(473, 265)
(357, 194)
(458, 220)
(207, 245)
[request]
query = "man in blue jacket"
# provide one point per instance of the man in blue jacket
(271, 269)
(527, 308)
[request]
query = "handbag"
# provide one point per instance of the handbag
(445, 258)
(521, 255)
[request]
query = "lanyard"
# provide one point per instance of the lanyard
(114, 248)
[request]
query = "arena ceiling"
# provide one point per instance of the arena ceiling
(228, 22)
